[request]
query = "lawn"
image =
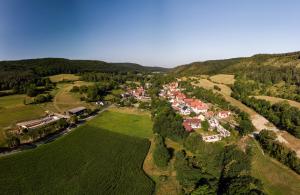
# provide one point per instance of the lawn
(276, 178)
(129, 122)
(90, 160)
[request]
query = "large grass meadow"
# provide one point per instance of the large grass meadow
(95, 158)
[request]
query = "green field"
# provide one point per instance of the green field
(132, 124)
(12, 110)
(277, 178)
(90, 160)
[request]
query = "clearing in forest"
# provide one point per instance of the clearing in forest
(63, 77)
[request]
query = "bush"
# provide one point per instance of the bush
(42, 98)
(205, 125)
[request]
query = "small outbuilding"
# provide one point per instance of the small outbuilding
(77, 111)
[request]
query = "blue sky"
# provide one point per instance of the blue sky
(149, 32)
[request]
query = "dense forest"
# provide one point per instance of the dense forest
(20, 73)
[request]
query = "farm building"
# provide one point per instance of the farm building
(77, 111)
(32, 124)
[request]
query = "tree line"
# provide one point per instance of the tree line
(281, 114)
(270, 144)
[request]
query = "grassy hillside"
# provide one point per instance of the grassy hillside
(277, 178)
(90, 160)
(239, 64)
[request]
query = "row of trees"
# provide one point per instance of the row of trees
(161, 154)
(280, 114)
(37, 133)
(270, 145)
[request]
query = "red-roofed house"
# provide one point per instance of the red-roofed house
(191, 124)
(209, 114)
(187, 127)
(194, 122)
(188, 101)
(224, 114)
(180, 96)
(199, 107)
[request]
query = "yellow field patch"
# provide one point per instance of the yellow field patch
(64, 77)
(207, 84)
(226, 79)
(274, 100)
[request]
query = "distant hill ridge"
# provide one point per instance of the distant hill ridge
(235, 65)
(46, 66)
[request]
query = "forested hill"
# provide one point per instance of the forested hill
(50, 66)
(20, 74)
(257, 62)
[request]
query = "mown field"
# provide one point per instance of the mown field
(63, 77)
(90, 160)
(277, 178)
(65, 100)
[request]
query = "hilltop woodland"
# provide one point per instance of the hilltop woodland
(27, 76)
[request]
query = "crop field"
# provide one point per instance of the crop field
(274, 100)
(277, 178)
(226, 79)
(89, 160)
(63, 77)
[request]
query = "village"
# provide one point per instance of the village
(194, 112)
